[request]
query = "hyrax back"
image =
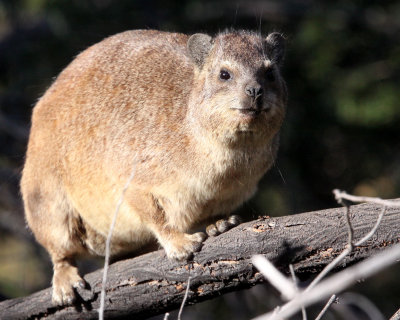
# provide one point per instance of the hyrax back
(196, 118)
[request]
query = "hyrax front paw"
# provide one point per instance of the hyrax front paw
(223, 225)
(65, 279)
(184, 247)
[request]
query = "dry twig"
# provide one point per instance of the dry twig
(287, 289)
(184, 298)
(108, 242)
(331, 300)
(300, 301)
(296, 282)
(396, 316)
(337, 283)
(340, 195)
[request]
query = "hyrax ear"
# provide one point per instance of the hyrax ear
(275, 47)
(198, 46)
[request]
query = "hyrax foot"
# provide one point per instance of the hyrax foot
(183, 247)
(65, 279)
(223, 225)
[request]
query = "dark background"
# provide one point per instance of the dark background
(342, 128)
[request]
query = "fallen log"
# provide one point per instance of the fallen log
(151, 284)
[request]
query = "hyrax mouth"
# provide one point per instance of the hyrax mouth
(249, 112)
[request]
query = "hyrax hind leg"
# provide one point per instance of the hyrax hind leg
(58, 229)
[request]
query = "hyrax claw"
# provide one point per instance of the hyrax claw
(80, 284)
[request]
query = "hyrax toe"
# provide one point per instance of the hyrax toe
(184, 248)
(222, 225)
(198, 237)
(234, 220)
(212, 230)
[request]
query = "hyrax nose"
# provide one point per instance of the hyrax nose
(253, 90)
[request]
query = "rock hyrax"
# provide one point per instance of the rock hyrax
(196, 117)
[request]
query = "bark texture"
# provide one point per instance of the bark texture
(151, 284)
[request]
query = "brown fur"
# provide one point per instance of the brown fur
(146, 100)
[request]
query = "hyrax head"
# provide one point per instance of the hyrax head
(239, 91)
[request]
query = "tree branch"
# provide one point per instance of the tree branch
(151, 284)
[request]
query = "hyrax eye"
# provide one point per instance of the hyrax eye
(270, 74)
(224, 75)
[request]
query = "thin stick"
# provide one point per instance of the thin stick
(184, 298)
(373, 230)
(314, 284)
(294, 278)
(108, 241)
(296, 282)
(166, 316)
(339, 195)
(337, 282)
(344, 253)
(328, 268)
(328, 304)
(350, 231)
(274, 276)
(349, 248)
(396, 316)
